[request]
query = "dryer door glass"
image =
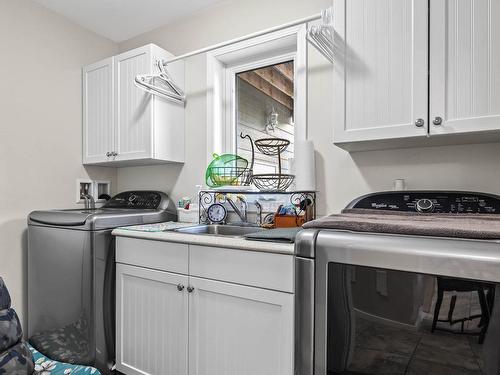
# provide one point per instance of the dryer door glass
(392, 322)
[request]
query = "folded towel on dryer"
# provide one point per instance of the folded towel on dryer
(466, 225)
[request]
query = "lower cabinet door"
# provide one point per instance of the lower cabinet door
(152, 322)
(239, 330)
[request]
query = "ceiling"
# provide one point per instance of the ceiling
(120, 20)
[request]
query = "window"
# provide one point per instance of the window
(258, 87)
(264, 106)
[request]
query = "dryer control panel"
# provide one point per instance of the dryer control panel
(137, 199)
(428, 201)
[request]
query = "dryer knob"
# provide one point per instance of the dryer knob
(424, 205)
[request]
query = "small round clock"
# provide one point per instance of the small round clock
(216, 213)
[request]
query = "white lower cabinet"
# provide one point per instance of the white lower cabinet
(152, 322)
(235, 329)
(177, 324)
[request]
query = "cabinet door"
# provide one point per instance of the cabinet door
(235, 329)
(464, 65)
(151, 321)
(97, 111)
(380, 69)
(134, 108)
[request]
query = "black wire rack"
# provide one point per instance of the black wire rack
(272, 146)
(302, 200)
(272, 181)
(230, 176)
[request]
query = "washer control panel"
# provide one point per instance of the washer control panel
(430, 202)
(136, 199)
(424, 205)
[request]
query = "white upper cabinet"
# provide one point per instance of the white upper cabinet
(134, 107)
(380, 70)
(464, 66)
(416, 73)
(98, 111)
(142, 128)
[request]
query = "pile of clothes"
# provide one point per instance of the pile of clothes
(15, 356)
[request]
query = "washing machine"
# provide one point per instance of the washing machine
(71, 275)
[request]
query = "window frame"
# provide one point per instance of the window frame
(222, 66)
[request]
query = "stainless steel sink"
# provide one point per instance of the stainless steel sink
(220, 230)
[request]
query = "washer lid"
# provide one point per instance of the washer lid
(61, 217)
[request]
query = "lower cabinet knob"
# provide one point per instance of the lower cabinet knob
(437, 121)
(190, 289)
(420, 122)
(180, 287)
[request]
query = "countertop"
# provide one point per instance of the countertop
(209, 240)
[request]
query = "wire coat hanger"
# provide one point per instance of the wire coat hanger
(321, 36)
(168, 90)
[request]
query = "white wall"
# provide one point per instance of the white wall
(40, 127)
(340, 176)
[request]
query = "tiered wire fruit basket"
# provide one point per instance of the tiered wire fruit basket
(273, 181)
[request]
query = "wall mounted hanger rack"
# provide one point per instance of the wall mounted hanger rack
(321, 36)
(321, 39)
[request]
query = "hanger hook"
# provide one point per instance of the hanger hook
(327, 16)
(160, 65)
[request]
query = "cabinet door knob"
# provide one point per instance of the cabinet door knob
(420, 122)
(180, 287)
(437, 120)
(190, 289)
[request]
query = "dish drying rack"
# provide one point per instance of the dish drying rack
(320, 36)
(230, 169)
(208, 197)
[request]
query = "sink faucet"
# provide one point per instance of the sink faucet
(241, 213)
(89, 201)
